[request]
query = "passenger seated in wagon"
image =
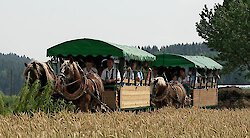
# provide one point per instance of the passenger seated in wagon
(174, 79)
(147, 73)
(184, 80)
(89, 67)
(129, 76)
(110, 75)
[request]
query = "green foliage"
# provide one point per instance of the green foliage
(7, 103)
(1, 104)
(226, 29)
(34, 98)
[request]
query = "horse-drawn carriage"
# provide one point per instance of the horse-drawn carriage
(123, 95)
(129, 94)
(202, 72)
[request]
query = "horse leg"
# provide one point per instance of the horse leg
(171, 101)
(95, 106)
(81, 102)
(86, 102)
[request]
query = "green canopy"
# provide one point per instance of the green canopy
(85, 47)
(174, 60)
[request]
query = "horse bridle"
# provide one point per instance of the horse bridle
(29, 70)
(63, 79)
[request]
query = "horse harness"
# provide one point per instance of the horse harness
(174, 89)
(81, 86)
(171, 85)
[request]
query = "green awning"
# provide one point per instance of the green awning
(85, 47)
(174, 60)
(204, 62)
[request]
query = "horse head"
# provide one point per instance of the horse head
(60, 83)
(69, 81)
(156, 84)
(71, 70)
(75, 86)
(32, 72)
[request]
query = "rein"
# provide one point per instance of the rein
(85, 86)
(164, 95)
(159, 98)
(66, 85)
(174, 89)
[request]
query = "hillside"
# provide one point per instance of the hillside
(11, 70)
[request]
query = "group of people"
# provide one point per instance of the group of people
(137, 75)
(172, 75)
(141, 75)
(109, 75)
(190, 77)
(132, 74)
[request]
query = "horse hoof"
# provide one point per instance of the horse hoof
(103, 109)
(93, 110)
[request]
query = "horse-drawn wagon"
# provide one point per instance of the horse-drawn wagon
(202, 72)
(126, 94)
(122, 95)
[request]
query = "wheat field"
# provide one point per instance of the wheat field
(167, 122)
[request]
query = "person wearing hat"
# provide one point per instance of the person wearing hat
(110, 75)
(89, 67)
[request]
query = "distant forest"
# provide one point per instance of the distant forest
(184, 49)
(12, 65)
(11, 73)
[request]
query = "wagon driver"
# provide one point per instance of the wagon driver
(110, 75)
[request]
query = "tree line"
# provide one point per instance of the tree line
(11, 73)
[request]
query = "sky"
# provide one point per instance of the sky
(30, 27)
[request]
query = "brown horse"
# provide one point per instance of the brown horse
(84, 91)
(38, 71)
(168, 94)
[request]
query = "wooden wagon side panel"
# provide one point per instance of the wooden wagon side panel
(134, 97)
(205, 97)
(109, 97)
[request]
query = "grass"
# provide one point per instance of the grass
(7, 103)
(167, 122)
(41, 117)
(31, 100)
